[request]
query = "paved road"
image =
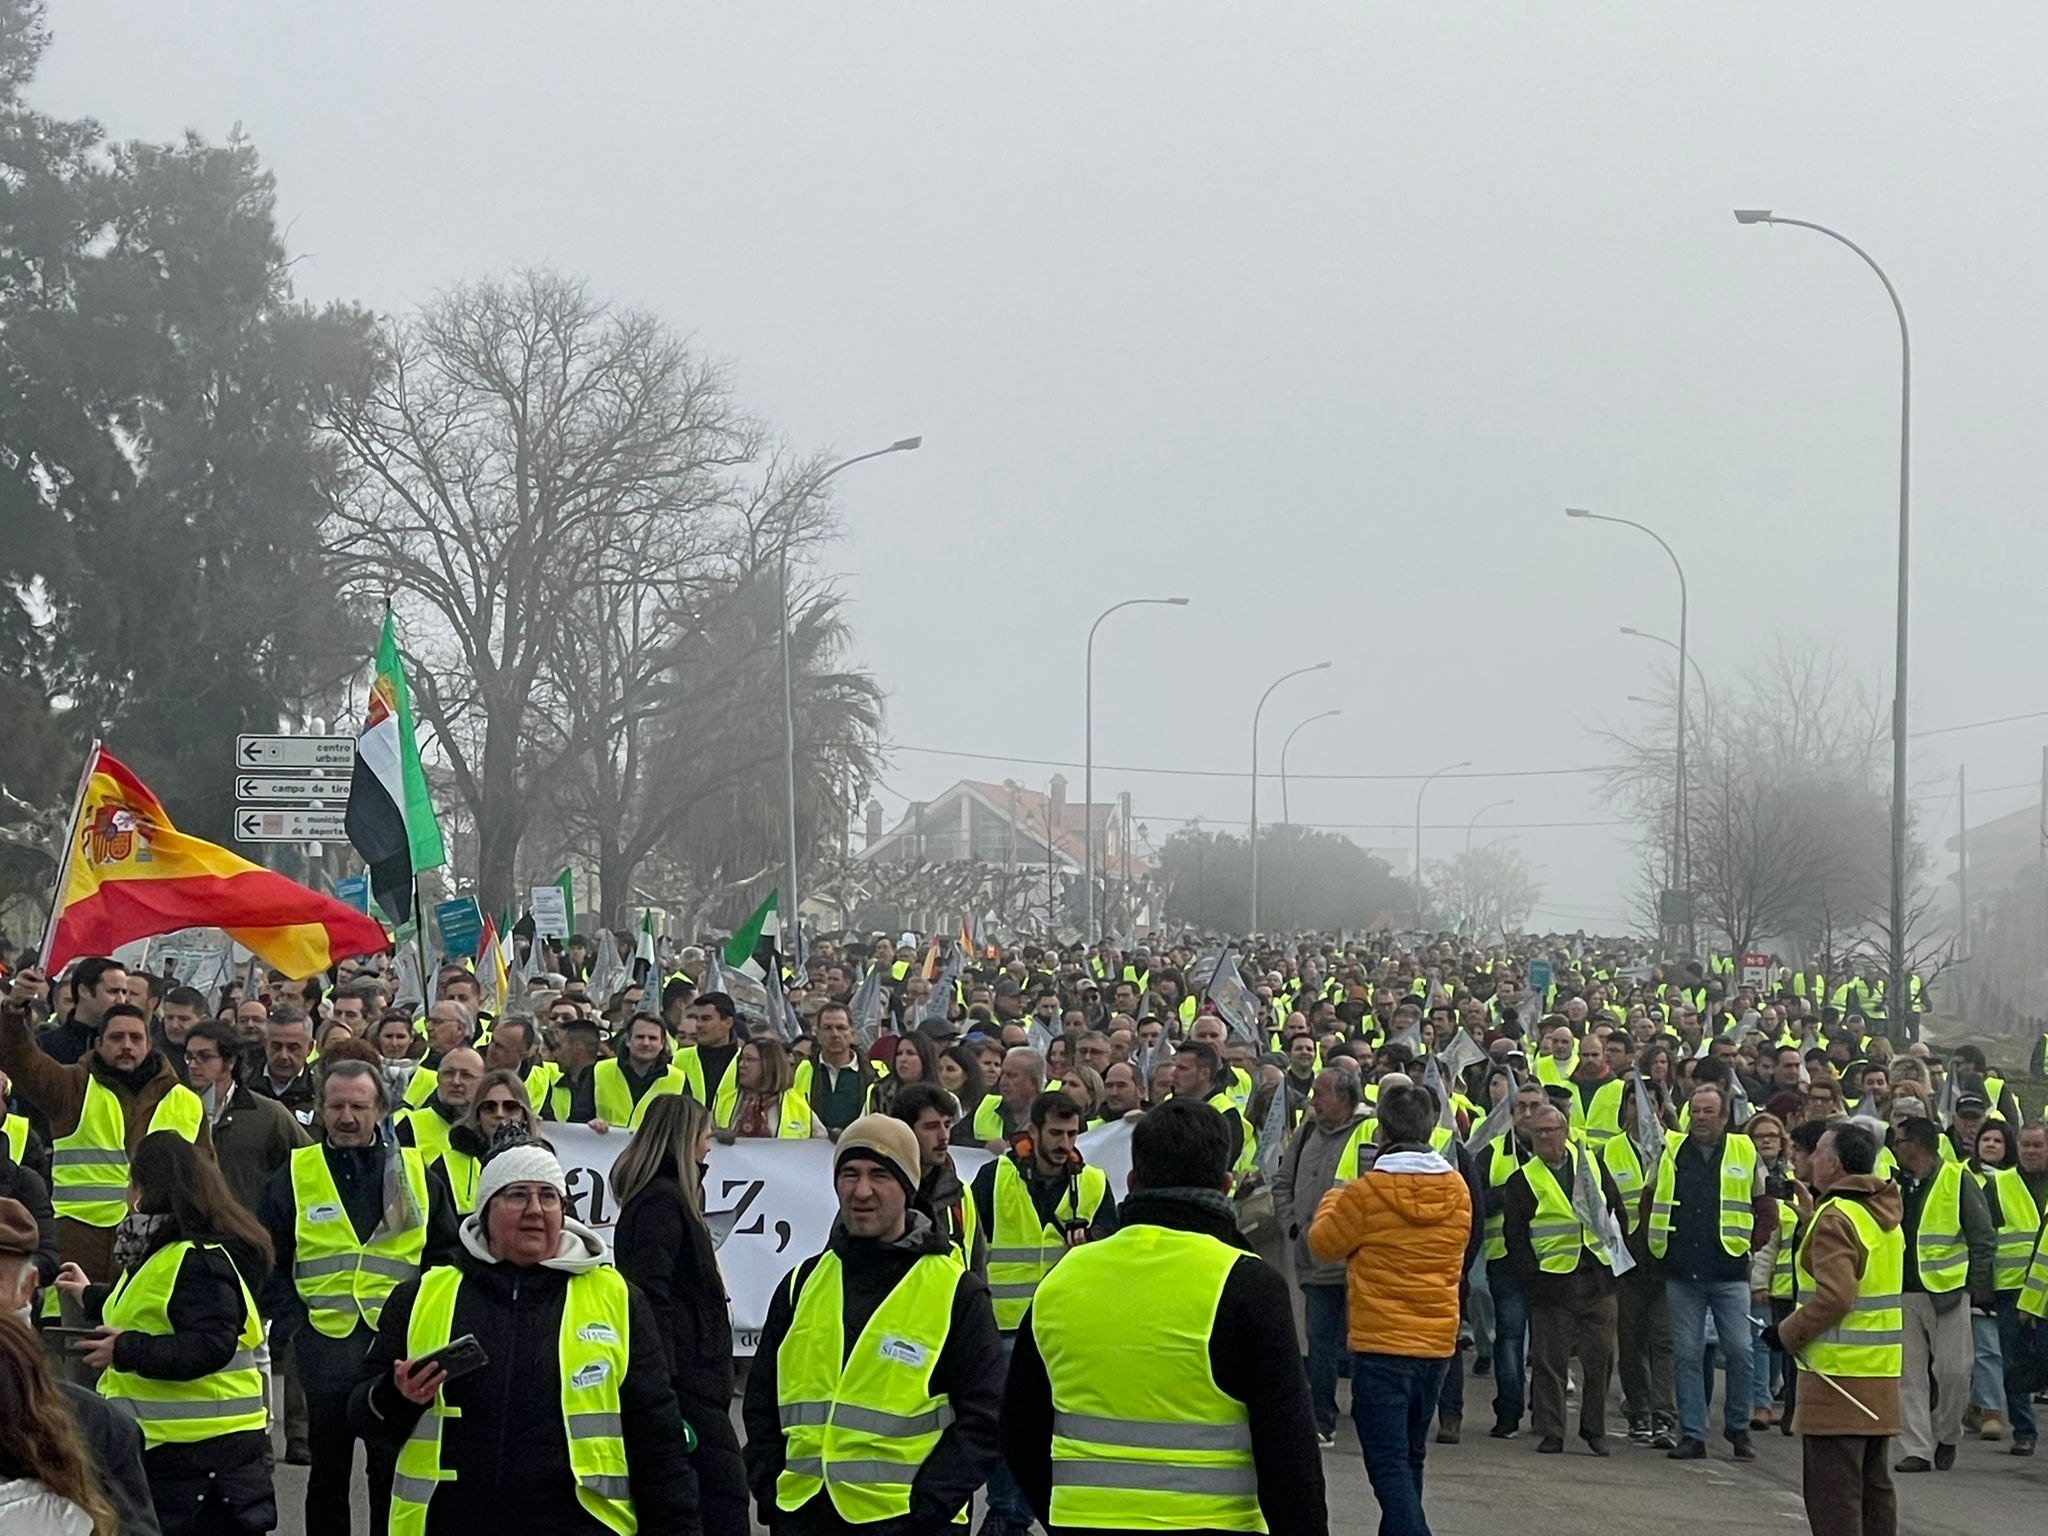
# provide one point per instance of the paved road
(1488, 1487)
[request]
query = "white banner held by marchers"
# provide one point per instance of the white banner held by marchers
(769, 1202)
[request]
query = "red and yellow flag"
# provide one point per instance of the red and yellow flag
(128, 874)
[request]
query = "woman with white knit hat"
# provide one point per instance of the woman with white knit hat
(567, 1424)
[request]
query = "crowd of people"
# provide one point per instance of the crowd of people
(293, 1215)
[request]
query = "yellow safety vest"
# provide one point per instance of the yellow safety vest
(15, 1128)
(1867, 1341)
(859, 1424)
(1022, 1250)
(1556, 1235)
(1549, 1073)
(1501, 1162)
(2034, 1290)
(988, 1119)
(719, 1097)
(1618, 1153)
(429, 1130)
(89, 1168)
(1737, 1203)
(1603, 1115)
(1783, 1268)
(1940, 1255)
(614, 1097)
(420, 1086)
(1247, 1144)
(223, 1402)
(1162, 1448)
(593, 1348)
(2019, 1225)
(540, 1080)
(343, 1281)
(461, 1170)
(1347, 1160)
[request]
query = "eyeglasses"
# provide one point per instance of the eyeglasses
(523, 1195)
(202, 1058)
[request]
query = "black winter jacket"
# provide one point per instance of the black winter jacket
(33, 1191)
(507, 1439)
(666, 1251)
(969, 1372)
(1253, 1357)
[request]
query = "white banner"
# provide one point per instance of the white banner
(769, 1202)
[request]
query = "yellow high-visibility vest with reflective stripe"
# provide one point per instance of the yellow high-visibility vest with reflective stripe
(1867, 1341)
(719, 1097)
(859, 1423)
(2034, 1290)
(461, 1170)
(613, 1095)
(1556, 1235)
(1603, 1115)
(15, 1128)
(540, 1081)
(1736, 1213)
(1362, 1130)
(341, 1280)
(593, 1347)
(89, 1168)
(429, 1130)
(1158, 1448)
(1782, 1265)
(1247, 1144)
(2019, 1228)
(1939, 1252)
(1501, 1163)
(223, 1402)
(1022, 1250)
(1618, 1153)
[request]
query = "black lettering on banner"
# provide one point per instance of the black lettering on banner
(751, 1191)
(577, 1179)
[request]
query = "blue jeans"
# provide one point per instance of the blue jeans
(1690, 1302)
(1005, 1498)
(1323, 1311)
(1987, 1365)
(1510, 1345)
(2012, 1331)
(1393, 1399)
(1765, 1364)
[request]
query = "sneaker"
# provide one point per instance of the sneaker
(298, 1453)
(1992, 1428)
(1502, 1430)
(1327, 1442)
(1597, 1444)
(1665, 1439)
(1913, 1464)
(1687, 1449)
(2022, 1445)
(1450, 1429)
(1550, 1445)
(1740, 1448)
(1639, 1431)
(1944, 1457)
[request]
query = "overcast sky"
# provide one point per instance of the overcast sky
(1316, 314)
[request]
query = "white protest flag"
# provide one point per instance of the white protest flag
(1945, 1103)
(781, 1017)
(529, 963)
(407, 986)
(606, 974)
(940, 1004)
(866, 1008)
(1589, 1204)
(1273, 1132)
(1446, 1117)
(1462, 1052)
(1236, 1003)
(1499, 1121)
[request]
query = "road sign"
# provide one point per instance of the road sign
(293, 789)
(1756, 971)
(266, 824)
(1539, 980)
(294, 751)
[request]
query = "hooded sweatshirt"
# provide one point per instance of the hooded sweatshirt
(1835, 1258)
(1400, 1232)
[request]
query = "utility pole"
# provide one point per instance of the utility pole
(1963, 857)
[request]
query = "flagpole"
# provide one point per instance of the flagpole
(64, 860)
(419, 938)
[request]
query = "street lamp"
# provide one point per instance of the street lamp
(1475, 819)
(1420, 791)
(1285, 821)
(1897, 983)
(1088, 768)
(1321, 666)
(792, 926)
(1706, 697)
(1678, 860)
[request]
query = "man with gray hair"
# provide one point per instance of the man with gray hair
(1335, 1131)
(1007, 1111)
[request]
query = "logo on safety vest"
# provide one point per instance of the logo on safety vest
(902, 1351)
(323, 1212)
(597, 1333)
(592, 1374)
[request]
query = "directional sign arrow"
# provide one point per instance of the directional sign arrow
(294, 751)
(294, 789)
(263, 824)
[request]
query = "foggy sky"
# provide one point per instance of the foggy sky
(1318, 315)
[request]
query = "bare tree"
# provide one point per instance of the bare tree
(1484, 890)
(521, 447)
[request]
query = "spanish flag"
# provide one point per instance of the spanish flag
(127, 873)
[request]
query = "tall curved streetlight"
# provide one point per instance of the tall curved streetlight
(1678, 860)
(1706, 696)
(1420, 791)
(1475, 819)
(792, 925)
(1896, 983)
(1321, 666)
(1088, 760)
(1311, 720)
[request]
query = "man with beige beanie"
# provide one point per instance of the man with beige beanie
(879, 1354)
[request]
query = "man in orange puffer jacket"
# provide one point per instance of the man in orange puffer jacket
(1401, 1231)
